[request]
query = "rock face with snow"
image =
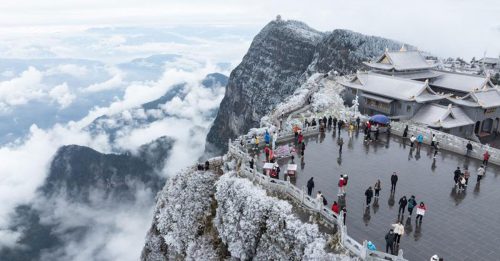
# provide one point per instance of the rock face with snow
(201, 218)
(279, 60)
(270, 71)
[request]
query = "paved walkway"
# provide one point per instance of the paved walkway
(457, 226)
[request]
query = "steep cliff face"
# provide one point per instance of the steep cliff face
(269, 72)
(277, 63)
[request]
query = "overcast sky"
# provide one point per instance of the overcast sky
(445, 27)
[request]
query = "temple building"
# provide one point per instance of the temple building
(404, 86)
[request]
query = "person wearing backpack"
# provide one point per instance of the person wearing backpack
(411, 204)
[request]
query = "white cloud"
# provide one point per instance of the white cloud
(70, 69)
(22, 89)
(116, 81)
(62, 95)
(25, 166)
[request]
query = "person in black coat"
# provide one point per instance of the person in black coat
(369, 196)
(389, 242)
(330, 121)
(456, 175)
(402, 205)
(394, 180)
(334, 122)
(358, 120)
(310, 186)
(252, 162)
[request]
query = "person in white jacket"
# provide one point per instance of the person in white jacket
(480, 173)
(399, 230)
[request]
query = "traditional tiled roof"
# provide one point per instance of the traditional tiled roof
(392, 87)
(487, 98)
(490, 60)
(437, 116)
(460, 82)
(400, 61)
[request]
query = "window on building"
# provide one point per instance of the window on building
(408, 108)
(399, 105)
(461, 129)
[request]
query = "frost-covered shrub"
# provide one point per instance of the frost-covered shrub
(256, 226)
(201, 249)
(183, 207)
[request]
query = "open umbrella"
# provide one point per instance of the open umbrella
(379, 118)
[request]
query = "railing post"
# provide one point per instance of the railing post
(400, 255)
(364, 251)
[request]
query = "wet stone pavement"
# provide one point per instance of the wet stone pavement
(456, 226)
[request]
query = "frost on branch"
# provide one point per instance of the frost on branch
(183, 208)
(256, 226)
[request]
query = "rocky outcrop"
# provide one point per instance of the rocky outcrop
(270, 71)
(279, 60)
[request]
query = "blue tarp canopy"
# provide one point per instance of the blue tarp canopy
(379, 118)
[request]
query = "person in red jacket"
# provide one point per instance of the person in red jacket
(421, 209)
(486, 157)
(335, 207)
(300, 138)
(341, 185)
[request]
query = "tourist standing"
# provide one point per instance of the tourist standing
(456, 175)
(358, 120)
(334, 123)
(480, 173)
(436, 149)
(340, 142)
(369, 196)
(341, 185)
(330, 121)
(319, 200)
(310, 186)
(376, 132)
(344, 214)
(486, 157)
(377, 188)
(411, 204)
(303, 149)
(389, 242)
(412, 140)
(420, 211)
(399, 230)
(466, 176)
(405, 133)
(346, 178)
(251, 163)
(433, 140)
(469, 148)
(402, 205)
(394, 181)
(339, 125)
(420, 140)
(335, 207)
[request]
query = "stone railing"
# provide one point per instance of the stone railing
(447, 141)
(356, 248)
